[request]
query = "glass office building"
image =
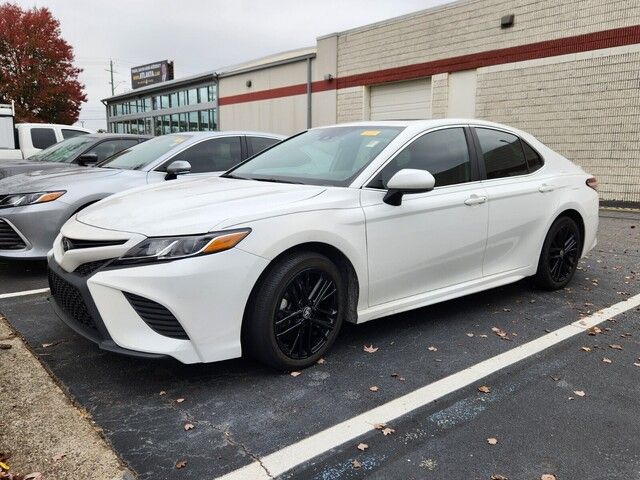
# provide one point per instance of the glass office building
(187, 104)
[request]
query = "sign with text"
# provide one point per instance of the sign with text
(151, 73)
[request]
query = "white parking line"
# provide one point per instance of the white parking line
(289, 457)
(25, 292)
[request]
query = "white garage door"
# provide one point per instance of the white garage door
(401, 101)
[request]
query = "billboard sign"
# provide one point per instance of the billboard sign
(151, 73)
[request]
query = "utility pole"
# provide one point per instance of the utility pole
(113, 87)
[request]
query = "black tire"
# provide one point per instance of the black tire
(560, 255)
(280, 313)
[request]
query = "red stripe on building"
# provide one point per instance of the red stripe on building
(616, 37)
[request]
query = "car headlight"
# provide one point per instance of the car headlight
(21, 199)
(160, 249)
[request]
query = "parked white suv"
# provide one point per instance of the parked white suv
(30, 138)
(24, 139)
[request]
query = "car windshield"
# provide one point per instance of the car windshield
(326, 156)
(64, 151)
(143, 154)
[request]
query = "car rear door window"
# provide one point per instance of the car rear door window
(43, 137)
(110, 147)
(534, 161)
(502, 153)
(215, 155)
(443, 153)
(70, 133)
(258, 144)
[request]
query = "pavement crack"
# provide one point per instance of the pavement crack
(240, 445)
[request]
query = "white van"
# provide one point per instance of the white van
(21, 140)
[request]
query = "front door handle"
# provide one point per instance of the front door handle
(544, 188)
(475, 200)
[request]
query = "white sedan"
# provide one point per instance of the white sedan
(343, 223)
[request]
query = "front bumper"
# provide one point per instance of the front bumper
(206, 295)
(37, 226)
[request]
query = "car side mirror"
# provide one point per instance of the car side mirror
(179, 167)
(408, 180)
(88, 159)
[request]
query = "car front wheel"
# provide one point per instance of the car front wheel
(296, 312)
(560, 254)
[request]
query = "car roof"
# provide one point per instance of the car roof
(418, 125)
(115, 135)
(49, 125)
(219, 133)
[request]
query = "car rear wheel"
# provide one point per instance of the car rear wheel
(560, 255)
(296, 312)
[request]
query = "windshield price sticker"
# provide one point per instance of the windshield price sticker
(370, 133)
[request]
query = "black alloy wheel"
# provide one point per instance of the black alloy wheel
(295, 311)
(560, 254)
(306, 315)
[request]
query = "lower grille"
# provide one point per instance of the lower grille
(70, 300)
(87, 269)
(159, 319)
(9, 238)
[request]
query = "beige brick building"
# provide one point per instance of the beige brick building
(567, 71)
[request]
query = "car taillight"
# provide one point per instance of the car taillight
(592, 182)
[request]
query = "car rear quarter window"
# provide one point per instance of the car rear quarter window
(502, 153)
(215, 155)
(43, 137)
(534, 160)
(258, 144)
(443, 153)
(70, 133)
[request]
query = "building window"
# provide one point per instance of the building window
(193, 121)
(192, 96)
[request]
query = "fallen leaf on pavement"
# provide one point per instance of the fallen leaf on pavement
(606, 360)
(162, 392)
(362, 446)
(374, 388)
(356, 464)
(616, 346)
(370, 349)
(594, 331)
(379, 426)
(548, 476)
(295, 374)
(499, 332)
(492, 441)
(469, 334)
(498, 477)
(585, 349)
(484, 389)
(46, 345)
(34, 476)
(579, 393)
(179, 400)
(637, 364)
(432, 349)
(188, 426)
(387, 431)
(321, 361)
(181, 464)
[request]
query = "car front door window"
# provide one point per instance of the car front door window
(443, 153)
(214, 155)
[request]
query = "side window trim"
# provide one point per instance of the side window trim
(471, 152)
(522, 144)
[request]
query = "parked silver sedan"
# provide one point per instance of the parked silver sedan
(34, 205)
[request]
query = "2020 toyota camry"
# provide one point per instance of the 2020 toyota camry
(342, 223)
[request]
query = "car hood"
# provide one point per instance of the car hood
(8, 169)
(53, 178)
(192, 206)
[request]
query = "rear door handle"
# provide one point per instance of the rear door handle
(544, 188)
(475, 199)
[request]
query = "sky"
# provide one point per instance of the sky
(198, 35)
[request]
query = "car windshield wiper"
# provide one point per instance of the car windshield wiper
(236, 177)
(276, 180)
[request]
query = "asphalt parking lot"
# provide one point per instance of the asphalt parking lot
(241, 412)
